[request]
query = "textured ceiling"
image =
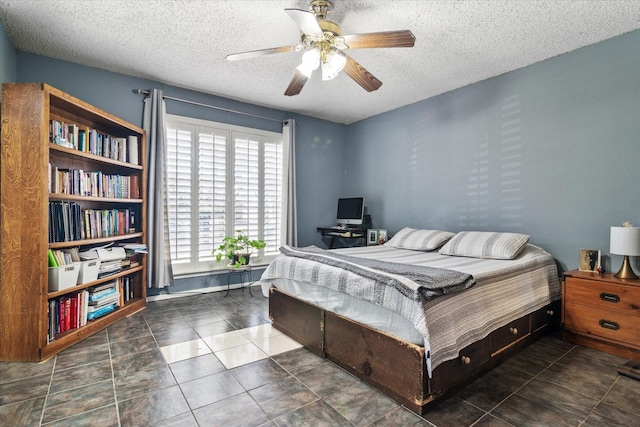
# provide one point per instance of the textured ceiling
(184, 43)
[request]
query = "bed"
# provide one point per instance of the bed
(381, 313)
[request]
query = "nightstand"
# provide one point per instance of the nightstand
(602, 312)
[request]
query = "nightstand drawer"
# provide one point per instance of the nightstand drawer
(603, 295)
(603, 323)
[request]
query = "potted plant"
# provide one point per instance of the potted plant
(237, 248)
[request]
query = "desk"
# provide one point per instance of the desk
(358, 235)
(241, 271)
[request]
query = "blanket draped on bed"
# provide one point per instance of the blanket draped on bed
(424, 282)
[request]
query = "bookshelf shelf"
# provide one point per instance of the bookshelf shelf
(89, 242)
(75, 153)
(99, 143)
(60, 196)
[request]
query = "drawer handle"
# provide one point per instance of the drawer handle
(513, 331)
(609, 297)
(550, 312)
(608, 324)
(466, 360)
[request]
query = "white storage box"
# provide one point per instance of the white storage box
(88, 271)
(63, 277)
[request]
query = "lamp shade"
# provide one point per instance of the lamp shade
(625, 241)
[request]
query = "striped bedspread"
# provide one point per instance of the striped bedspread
(504, 290)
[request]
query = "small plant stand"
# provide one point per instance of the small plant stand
(245, 269)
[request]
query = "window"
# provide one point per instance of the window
(221, 178)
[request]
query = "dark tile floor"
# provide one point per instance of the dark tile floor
(119, 377)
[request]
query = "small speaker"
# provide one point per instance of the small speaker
(366, 221)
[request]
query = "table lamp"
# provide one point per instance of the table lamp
(625, 241)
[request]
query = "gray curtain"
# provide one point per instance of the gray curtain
(159, 271)
(290, 213)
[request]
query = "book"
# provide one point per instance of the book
(101, 312)
(73, 311)
(102, 287)
(112, 298)
(132, 149)
(52, 259)
(67, 314)
(108, 296)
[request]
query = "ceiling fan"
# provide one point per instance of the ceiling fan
(324, 47)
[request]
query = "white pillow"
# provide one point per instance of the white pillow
(480, 244)
(419, 240)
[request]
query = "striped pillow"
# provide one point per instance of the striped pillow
(479, 244)
(419, 240)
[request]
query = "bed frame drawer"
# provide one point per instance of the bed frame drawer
(396, 367)
(302, 322)
(548, 316)
(509, 334)
(472, 360)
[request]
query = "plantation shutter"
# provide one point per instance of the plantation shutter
(212, 191)
(273, 177)
(179, 188)
(247, 185)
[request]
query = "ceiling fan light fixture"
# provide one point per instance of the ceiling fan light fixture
(312, 58)
(310, 62)
(323, 43)
(334, 63)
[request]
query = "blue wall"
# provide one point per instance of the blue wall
(549, 150)
(8, 62)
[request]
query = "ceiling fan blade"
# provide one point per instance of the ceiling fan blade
(306, 21)
(296, 85)
(361, 76)
(262, 52)
(403, 38)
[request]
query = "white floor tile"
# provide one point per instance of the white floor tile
(260, 332)
(240, 355)
(226, 340)
(184, 350)
(277, 344)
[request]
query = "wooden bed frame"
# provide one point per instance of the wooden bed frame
(396, 367)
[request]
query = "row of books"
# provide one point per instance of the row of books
(69, 222)
(96, 184)
(67, 312)
(65, 222)
(92, 141)
(74, 310)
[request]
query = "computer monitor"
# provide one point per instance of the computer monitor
(350, 211)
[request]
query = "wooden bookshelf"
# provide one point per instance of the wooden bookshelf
(28, 153)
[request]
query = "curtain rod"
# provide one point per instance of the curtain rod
(186, 101)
